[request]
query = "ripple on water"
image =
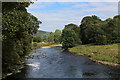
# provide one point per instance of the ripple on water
(53, 63)
(35, 65)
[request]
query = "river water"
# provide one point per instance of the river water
(53, 63)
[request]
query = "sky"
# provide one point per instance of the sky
(55, 15)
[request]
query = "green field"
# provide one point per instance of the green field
(107, 53)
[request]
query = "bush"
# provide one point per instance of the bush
(35, 44)
(38, 38)
(69, 39)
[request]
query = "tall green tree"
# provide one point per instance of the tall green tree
(57, 36)
(70, 26)
(116, 31)
(111, 29)
(94, 30)
(75, 28)
(94, 34)
(89, 29)
(69, 38)
(51, 38)
(18, 26)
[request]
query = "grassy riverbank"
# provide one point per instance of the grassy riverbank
(108, 53)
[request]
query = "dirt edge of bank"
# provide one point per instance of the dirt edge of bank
(98, 61)
(51, 46)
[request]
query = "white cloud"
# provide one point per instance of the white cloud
(104, 10)
(52, 20)
(39, 5)
(77, 0)
(81, 6)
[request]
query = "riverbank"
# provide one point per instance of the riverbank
(54, 45)
(67, 65)
(44, 45)
(5, 75)
(104, 54)
(39, 45)
(36, 45)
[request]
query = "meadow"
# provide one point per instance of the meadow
(107, 53)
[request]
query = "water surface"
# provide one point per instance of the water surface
(53, 63)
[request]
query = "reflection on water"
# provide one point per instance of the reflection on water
(35, 66)
(53, 63)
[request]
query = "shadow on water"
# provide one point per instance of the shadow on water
(53, 63)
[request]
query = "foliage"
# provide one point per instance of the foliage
(44, 34)
(89, 29)
(57, 36)
(94, 30)
(54, 37)
(71, 26)
(35, 44)
(111, 29)
(69, 38)
(51, 38)
(75, 28)
(38, 38)
(17, 30)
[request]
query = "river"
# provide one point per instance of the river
(53, 63)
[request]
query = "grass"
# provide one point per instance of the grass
(107, 53)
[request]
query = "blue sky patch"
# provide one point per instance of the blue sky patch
(55, 15)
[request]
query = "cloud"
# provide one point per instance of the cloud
(40, 5)
(104, 10)
(51, 22)
(76, 0)
(53, 19)
(81, 6)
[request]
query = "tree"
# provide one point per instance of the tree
(116, 31)
(93, 30)
(51, 38)
(75, 28)
(57, 36)
(69, 38)
(111, 29)
(89, 29)
(77, 31)
(38, 38)
(70, 26)
(94, 34)
(17, 30)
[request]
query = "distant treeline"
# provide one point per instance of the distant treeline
(92, 30)
(44, 34)
(52, 37)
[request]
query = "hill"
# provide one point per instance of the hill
(44, 34)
